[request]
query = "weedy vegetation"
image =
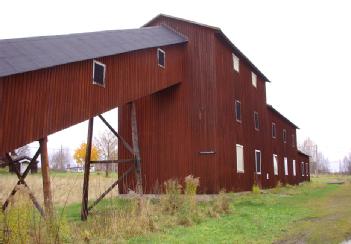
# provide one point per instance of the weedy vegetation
(286, 214)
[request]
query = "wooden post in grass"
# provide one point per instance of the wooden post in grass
(135, 140)
(85, 198)
(46, 177)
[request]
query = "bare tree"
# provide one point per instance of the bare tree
(107, 146)
(319, 163)
(346, 164)
(60, 158)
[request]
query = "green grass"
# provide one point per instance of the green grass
(314, 212)
(288, 215)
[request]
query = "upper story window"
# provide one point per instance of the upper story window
(275, 164)
(99, 73)
(256, 121)
(161, 58)
(258, 161)
(274, 130)
(293, 140)
(254, 79)
(236, 63)
(284, 135)
(239, 158)
(238, 110)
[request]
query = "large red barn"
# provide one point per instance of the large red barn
(199, 104)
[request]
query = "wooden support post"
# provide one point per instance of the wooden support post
(135, 140)
(46, 177)
(85, 198)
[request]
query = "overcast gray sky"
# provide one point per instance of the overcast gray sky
(303, 47)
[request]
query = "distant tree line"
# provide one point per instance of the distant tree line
(345, 165)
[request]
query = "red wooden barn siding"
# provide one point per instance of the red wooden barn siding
(282, 149)
(231, 86)
(198, 115)
(186, 116)
(39, 103)
(304, 158)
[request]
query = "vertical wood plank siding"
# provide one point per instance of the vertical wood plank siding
(39, 103)
(175, 125)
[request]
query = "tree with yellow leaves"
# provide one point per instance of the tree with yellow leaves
(79, 154)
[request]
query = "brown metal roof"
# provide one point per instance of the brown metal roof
(27, 54)
(302, 153)
(281, 116)
(221, 35)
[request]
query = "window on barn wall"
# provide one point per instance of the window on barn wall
(293, 140)
(286, 166)
(294, 167)
(239, 158)
(275, 164)
(254, 79)
(274, 131)
(99, 73)
(258, 161)
(307, 169)
(161, 58)
(302, 168)
(238, 110)
(256, 121)
(236, 63)
(284, 136)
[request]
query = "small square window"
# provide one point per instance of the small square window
(258, 161)
(256, 121)
(254, 79)
(274, 130)
(239, 158)
(161, 58)
(236, 63)
(238, 110)
(284, 136)
(99, 73)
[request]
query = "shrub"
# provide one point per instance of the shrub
(22, 223)
(256, 189)
(171, 201)
(221, 204)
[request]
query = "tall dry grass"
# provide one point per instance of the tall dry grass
(66, 187)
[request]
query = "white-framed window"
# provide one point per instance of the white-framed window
(99, 73)
(294, 167)
(161, 58)
(302, 168)
(293, 140)
(274, 130)
(239, 158)
(307, 170)
(286, 169)
(284, 135)
(254, 79)
(275, 164)
(256, 121)
(236, 63)
(238, 110)
(258, 161)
